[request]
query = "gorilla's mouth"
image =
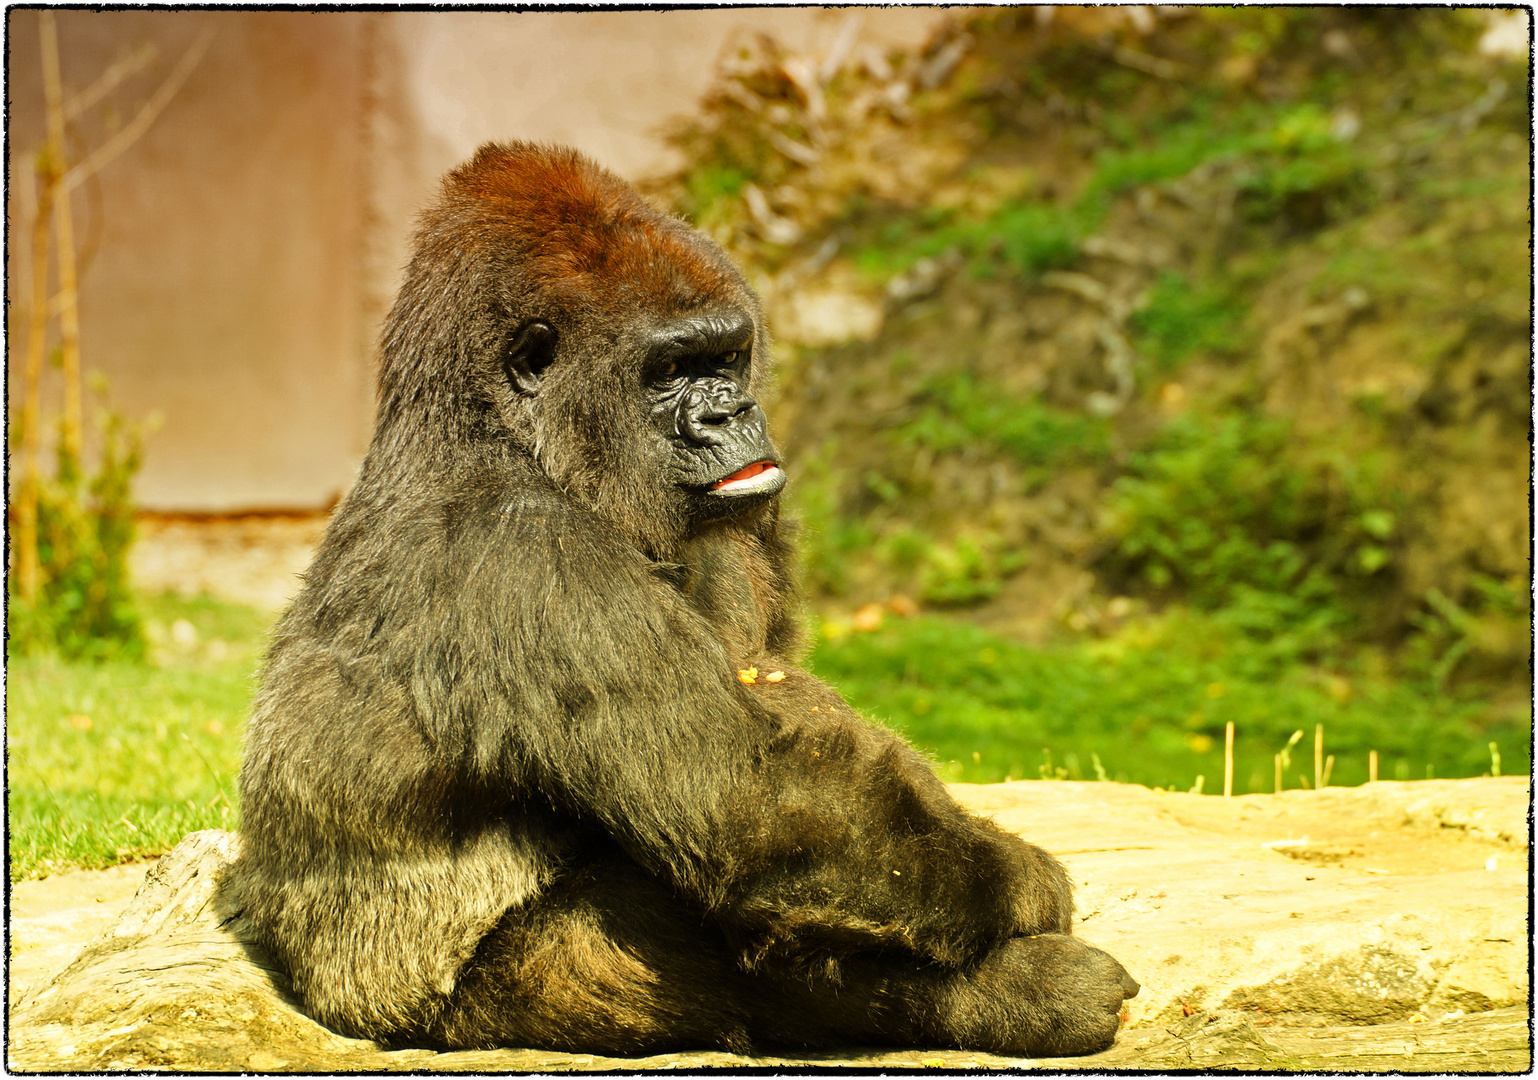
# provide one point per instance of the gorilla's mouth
(761, 477)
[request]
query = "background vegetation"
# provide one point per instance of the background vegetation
(1199, 390)
(1136, 377)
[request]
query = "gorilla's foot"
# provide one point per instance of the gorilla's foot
(1045, 996)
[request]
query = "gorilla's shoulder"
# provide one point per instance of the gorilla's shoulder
(478, 553)
(452, 520)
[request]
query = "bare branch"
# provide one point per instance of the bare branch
(125, 67)
(136, 127)
(72, 422)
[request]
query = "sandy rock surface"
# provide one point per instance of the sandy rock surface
(1380, 928)
(52, 919)
(1351, 905)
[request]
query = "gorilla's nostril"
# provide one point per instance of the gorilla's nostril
(702, 429)
(709, 410)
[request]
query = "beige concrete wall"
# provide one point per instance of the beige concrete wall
(605, 82)
(225, 286)
(246, 248)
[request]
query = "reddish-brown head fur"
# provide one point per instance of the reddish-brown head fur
(588, 235)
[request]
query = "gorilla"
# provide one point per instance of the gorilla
(532, 764)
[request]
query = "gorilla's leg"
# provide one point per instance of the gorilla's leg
(609, 961)
(605, 961)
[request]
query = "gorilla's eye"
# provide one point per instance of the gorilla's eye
(696, 365)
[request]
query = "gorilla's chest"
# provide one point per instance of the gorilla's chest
(721, 578)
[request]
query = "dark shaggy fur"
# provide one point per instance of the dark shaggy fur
(503, 784)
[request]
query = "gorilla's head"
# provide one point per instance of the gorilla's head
(613, 345)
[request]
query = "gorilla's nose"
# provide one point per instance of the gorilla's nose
(1129, 986)
(708, 412)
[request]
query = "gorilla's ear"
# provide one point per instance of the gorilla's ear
(528, 355)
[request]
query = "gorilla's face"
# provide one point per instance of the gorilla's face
(658, 425)
(696, 376)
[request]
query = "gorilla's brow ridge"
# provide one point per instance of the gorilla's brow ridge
(717, 331)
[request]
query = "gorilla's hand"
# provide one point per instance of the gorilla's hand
(1043, 895)
(1045, 996)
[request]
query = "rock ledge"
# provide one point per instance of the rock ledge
(1373, 928)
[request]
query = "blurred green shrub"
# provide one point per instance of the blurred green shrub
(967, 570)
(85, 526)
(1180, 320)
(1224, 512)
(710, 190)
(828, 538)
(1307, 170)
(958, 410)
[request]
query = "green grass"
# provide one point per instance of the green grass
(159, 755)
(119, 759)
(1150, 703)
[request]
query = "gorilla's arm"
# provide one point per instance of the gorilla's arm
(569, 669)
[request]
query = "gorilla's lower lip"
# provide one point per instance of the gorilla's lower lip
(757, 477)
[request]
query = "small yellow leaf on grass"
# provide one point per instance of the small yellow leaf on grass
(750, 676)
(1417, 1018)
(868, 618)
(933, 1063)
(774, 676)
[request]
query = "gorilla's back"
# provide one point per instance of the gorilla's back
(373, 862)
